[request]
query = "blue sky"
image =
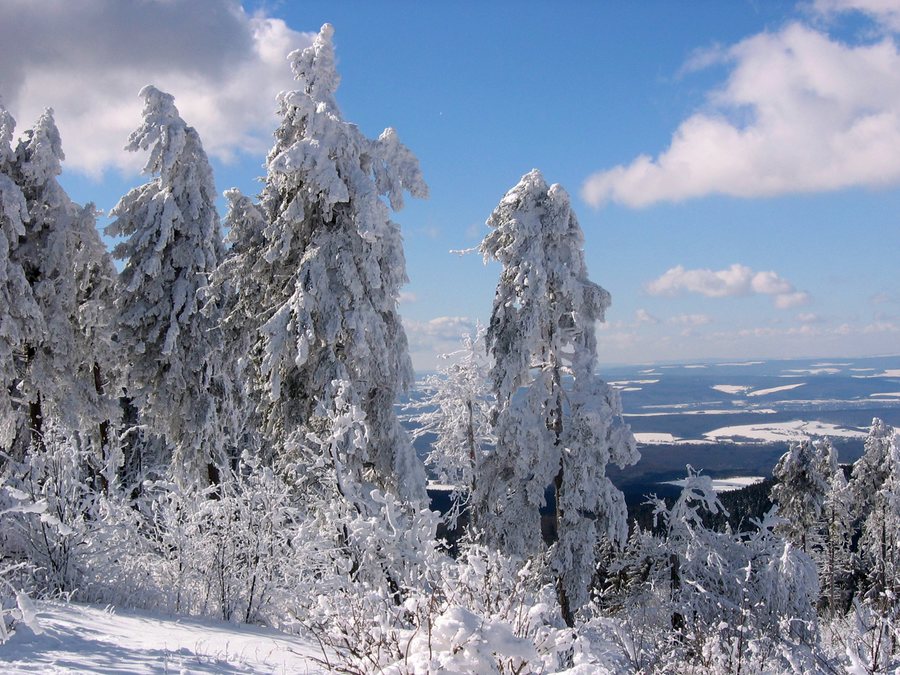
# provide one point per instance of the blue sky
(734, 165)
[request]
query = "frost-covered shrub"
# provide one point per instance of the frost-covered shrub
(222, 551)
(485, 613)
(55, 540)
(713, 599)
(15, 605)
(864, 641)
(497, 614)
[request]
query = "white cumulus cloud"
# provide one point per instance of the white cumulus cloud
(799, 112)
(884, 12)
(89, 59)
(430, 338)
(736, 280)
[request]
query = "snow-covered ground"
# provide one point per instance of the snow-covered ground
(725, 484)
(730, 388)
(741, 363)
(892, 372)
(782, 431)
(85, 639)
(654, 438)
(773, 390)
(772, 432)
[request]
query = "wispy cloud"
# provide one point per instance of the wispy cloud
(736, 280)
(643, 316)
(808, 317)
(88, 60)
(798, 112)
(691, 320)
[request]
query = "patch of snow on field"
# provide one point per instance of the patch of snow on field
(742, 363)
(887, 394)
(668, 406)
(782, 431)
(730, 388)
(774, 390)
(893, 372)
(725, 484)
(754, 411)
(800, 372)
(625, 383)
(85, 639)
(655, 438)
(695, 365)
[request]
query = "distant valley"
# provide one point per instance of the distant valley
(731, 419)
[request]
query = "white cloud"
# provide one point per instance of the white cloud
(884, 12)
(407, 297)
(808, 317)
(691, 320)
(799, 112)
(89, 59)
(643, 316)
(791, 300)
(737, 280)
(440, 335)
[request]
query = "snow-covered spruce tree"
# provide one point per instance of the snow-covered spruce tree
(329, 275)
(876, 646)
(879, 546)
(832, 555)
(238, 292)
(72, 280)
(872, 469)
(556, 422)
(799, 491)
(456, 410)
(173, 244)
(20, 318)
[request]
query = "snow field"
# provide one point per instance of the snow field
(87, 639)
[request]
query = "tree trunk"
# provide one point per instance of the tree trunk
(98, 476)
(35, 411)
(557, 429)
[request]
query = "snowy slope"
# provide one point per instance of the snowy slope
(85, 639)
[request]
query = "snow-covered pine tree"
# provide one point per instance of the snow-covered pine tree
(72, 280)
(456, 411)
(800, 490)
(836, 526)
(329, 276)
(872, 469)
(556, 422)
(20, 318)
(238, 292)
(173, 245)
(879, 546)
